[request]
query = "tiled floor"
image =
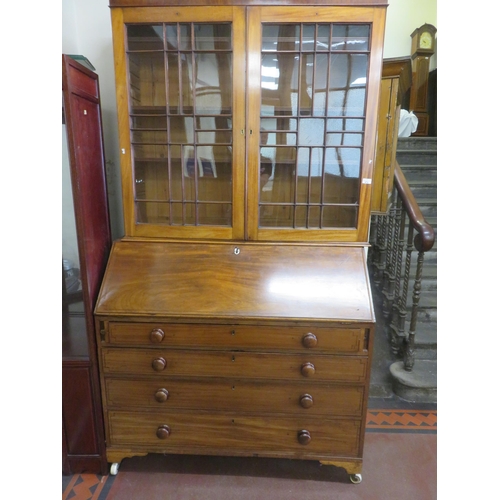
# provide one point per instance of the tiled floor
(399, 462)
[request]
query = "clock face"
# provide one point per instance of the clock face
(425, 40)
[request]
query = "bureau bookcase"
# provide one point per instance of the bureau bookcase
(235, 315)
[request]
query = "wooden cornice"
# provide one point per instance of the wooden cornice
(398, 67)
(176, 3)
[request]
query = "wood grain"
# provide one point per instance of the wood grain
(189, 363)
(211, 281)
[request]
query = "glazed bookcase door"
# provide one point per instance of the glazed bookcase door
(313, 85)
(181, 94)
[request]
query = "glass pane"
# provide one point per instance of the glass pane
(323, 39)
(176, 70)
(72, 285)
(149, 137)
(320, 84)
(313, 88)
(149, 151)
(311, 131)
(347, 124)
(350, 37)
(212, 36)
(308, 37)
(182, 123)
(279, 138)
(310, 173)
(178, 36)
(157, 185)
(149, 122)
(214, 214)
(212, 95)
(147, 79)
(279, 164)
(181, 129)
(283, 124)
(152, 212)
(341, 217)
(144, 37)
(306, 83)
(344, 139)
(276, 216)
(280, 37)
(214, 137)
(347, 90)
(308, 217)
(279, 83)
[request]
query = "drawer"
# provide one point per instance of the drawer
(311, 338)
(185, 363)
(236, 395)
(184, 432)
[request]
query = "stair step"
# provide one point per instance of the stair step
(423, 189)
(412, 143)
(416, 157)
(420, 173)
(425, 338)
(428, 207)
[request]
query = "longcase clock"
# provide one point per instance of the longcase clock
(423, 46)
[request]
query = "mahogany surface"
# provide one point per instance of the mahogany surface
(235, 336)
(265, 351)
(277, 366)
(205, 280)
(83, 428)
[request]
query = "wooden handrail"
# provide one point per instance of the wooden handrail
(426, 236)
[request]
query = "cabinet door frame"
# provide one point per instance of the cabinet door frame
(301, 14)
(155, 15)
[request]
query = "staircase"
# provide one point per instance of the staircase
(417, 157)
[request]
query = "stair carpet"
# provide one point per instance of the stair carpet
(417, 157)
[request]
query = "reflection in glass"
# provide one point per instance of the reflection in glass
(212, 36)
(72, 286)
(145, 37)
(352, 37)
(280, 37)
(311, 132)
(180, 85)
(313, 99)
(178, 36)
(147, 79)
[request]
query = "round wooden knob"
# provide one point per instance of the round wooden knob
(306, 401)
(156, 335)
(159, 364)
(307, 369)
(161, 395)
(309, 340)
(163, 432)
(304, 437)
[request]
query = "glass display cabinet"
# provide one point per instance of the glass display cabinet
(86, 242)
(247, 134)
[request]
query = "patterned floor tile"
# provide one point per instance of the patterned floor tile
(87, 487)
(402, 420)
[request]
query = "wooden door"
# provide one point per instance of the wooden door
(312, 121)
(181, 94)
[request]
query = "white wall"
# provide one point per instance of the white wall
(86, 30)
(403, 17)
